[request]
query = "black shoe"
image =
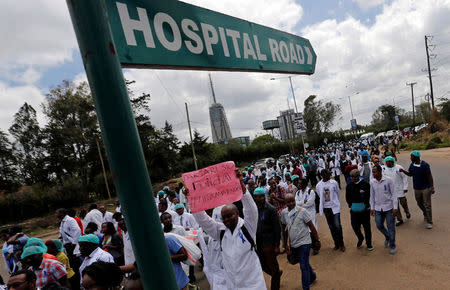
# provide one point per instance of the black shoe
(359, 244)
(315, 252)
(399, 223)
(408, 215)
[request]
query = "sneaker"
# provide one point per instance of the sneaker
(392, 251)
(369, 248)
(429, 226)
(359, 244)
(399, 223)
(408, 215)
(386, 243)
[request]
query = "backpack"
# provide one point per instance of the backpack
(246, 235)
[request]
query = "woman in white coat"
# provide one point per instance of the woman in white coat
(237, 237)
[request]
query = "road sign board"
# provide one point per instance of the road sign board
(178, 35)
(299, 123)
(397, 120)
(353, 124)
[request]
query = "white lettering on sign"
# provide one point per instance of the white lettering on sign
(198, 37)
(188, 26)
(160, 19)
(129, 25)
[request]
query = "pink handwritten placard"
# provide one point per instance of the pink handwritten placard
(212, 186)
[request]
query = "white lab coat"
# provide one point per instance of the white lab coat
(70, 232)
(400, 180)
(308, 202)
(335, 168)
(212, 258)
(186, 220)
(242, 267)
(94, 216)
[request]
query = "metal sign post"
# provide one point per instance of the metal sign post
(122, 143)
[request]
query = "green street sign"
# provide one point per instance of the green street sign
(177, 35)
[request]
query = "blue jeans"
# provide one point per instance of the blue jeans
(308, 275)
(389, 233)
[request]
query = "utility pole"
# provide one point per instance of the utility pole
(412, 99)
(429, 72)
(296, 111)
(190, 134)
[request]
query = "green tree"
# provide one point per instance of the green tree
(444, 108)
(8, 174)
(28, 145)
(71, 132)
(319, 116)
(383, 118)
(262, 140)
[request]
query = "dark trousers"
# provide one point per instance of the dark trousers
(362, 219)
(338, 180)
(312, 178)
(308, 275)
(269, 264)
(404, 203)
(75, 264)
(334, 223)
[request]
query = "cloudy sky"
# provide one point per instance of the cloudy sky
(370, 47)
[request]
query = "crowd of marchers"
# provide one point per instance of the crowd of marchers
(234, 244)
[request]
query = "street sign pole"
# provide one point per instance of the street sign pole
(122, 143)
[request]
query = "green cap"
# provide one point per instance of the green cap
(415, 153)
(258, 191)
(58, 244)
(36, 242)
(31, 250)
(178, 206)
(161, 192)
(91, 238)
(389, 158)
(294, 177)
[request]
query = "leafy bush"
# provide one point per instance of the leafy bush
(436, 140)
(431, 145)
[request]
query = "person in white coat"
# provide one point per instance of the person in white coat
(400, 180)
(240, 261)
(183, 218)
(306, 198)
(94, 216)
(335, 168)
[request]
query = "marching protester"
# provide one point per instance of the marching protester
(358, 199)
(91, 252)
(70, 231)
(297, 239)
(94, 216)
(112, 242)
(237, 237)
(56, 248)
(268, 236)
(384, 204)
(169, 227)
(276, 195)
(329, 192)
(400, 180)
(183, 218)
(423, 185)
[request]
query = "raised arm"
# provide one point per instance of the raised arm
(210, 226)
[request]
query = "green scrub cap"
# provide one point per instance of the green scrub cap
(58, 244)
(258, 191)
(36, 242)
(294, 177)
(31, 250)
(415, 153)
(91, 238)
(161, 192)
(389, 158)
(178, 206)
(287, 173)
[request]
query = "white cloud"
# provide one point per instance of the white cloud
(367, 4)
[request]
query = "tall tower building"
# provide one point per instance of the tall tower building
(220, 129)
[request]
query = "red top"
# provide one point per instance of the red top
(49, 256)
(297, 171)
(80, 224)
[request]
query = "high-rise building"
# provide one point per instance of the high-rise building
(291, 124)
(220, 129)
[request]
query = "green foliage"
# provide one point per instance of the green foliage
(436, 139)
(444, 107)
(264, 140)
(383, 118)
(8, 163)
(319, 116)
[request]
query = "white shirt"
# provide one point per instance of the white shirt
(307, 199)
(186, 220)
(108, 217)
(400, 180)
(382, 194)
(118, 209)
(96, 255)
(69, 230)
(94, 216)
(321, 164)
(179, 230)
(329, 196)
(127, 249)
(242, 267)
(171, 212)
(335, 168)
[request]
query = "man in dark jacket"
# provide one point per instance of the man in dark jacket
(358, 197)
(268, 237)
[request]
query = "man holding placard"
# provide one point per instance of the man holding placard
(237, 239)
